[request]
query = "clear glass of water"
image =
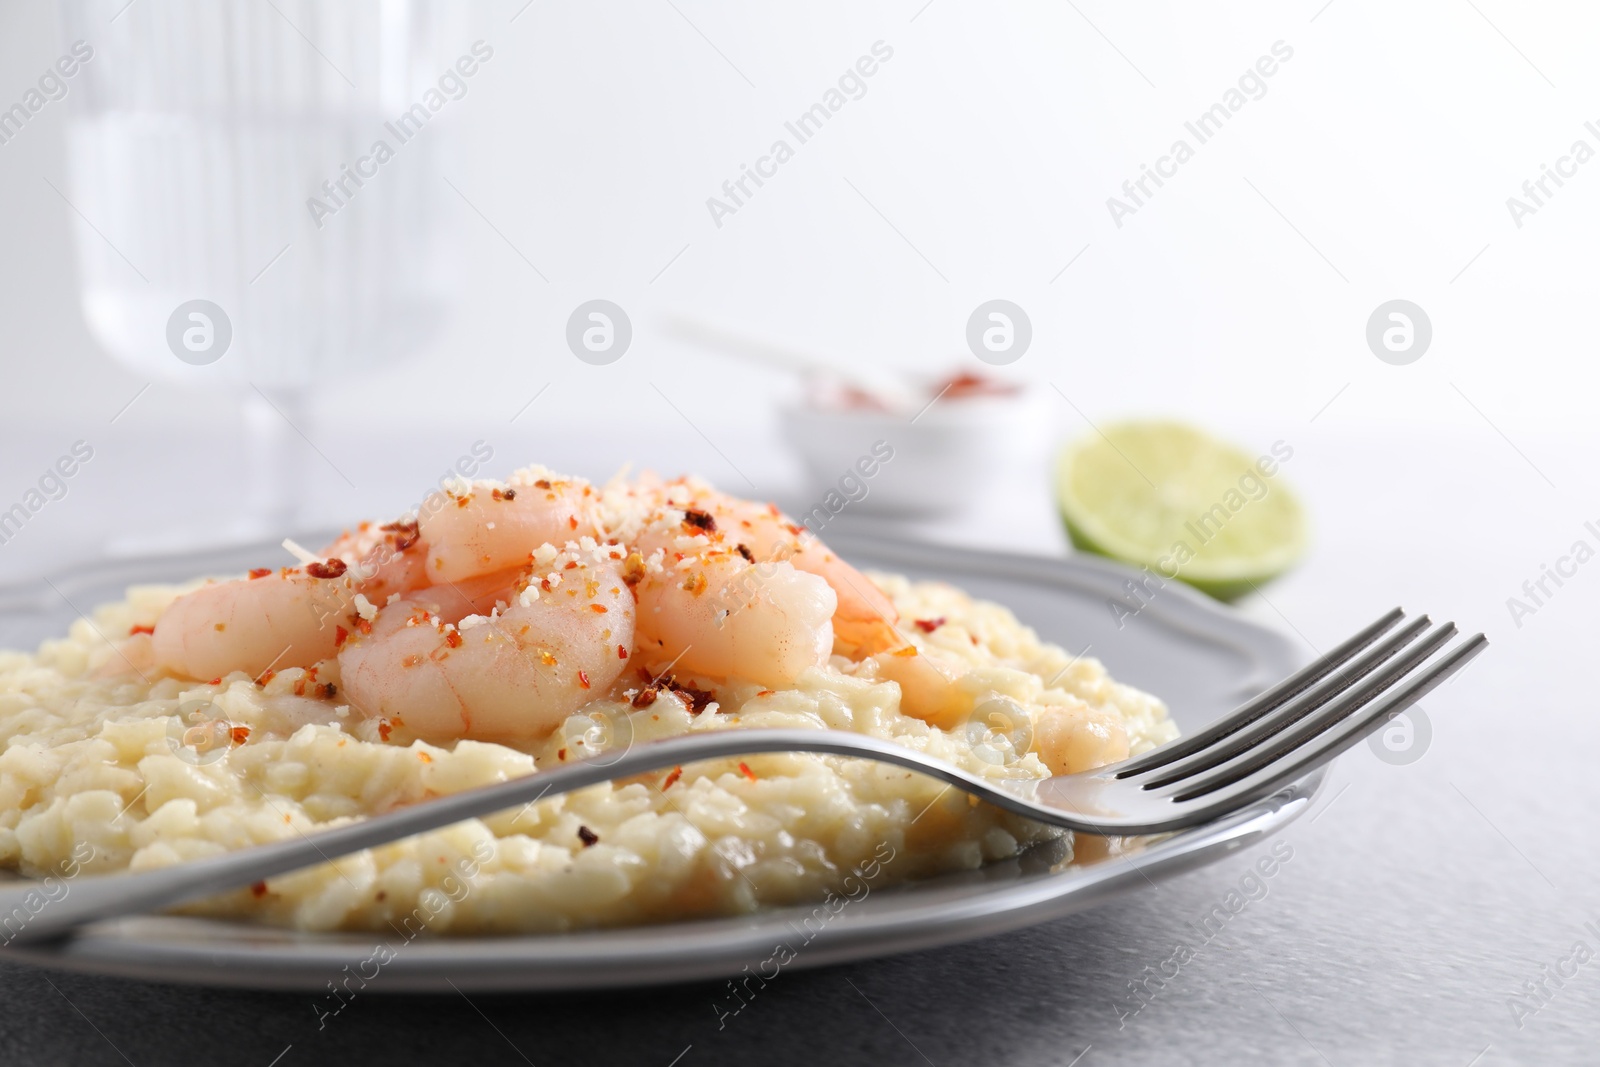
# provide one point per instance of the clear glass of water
(201, 137)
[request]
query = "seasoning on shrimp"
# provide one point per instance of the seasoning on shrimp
(333, 568)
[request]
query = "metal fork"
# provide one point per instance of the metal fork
(1285, 733)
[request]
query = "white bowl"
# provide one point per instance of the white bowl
(937, 461)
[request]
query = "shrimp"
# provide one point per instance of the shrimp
(1078, 738)
(384, 560)
(928, 686)
(864, 617)
(490, 527)
(287, 618)
(560, 642)
(779, 631)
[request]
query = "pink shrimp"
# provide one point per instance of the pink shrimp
(864, 618)
(559, 642)
(489, 527)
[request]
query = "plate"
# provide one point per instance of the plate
(1197, 655)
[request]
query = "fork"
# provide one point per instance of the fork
(1278, 737)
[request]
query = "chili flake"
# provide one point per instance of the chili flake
(672, 779)
(583, 679)
(332, 568)
(258, 889)
(744, 769)
(700, 520)
(927, 626)
(260, 572)
(141, 630)
(587, 836)
(239, 734)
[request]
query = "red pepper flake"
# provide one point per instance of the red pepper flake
(363, 626)
(463, 501)
(405, 534)
(542, 483)
(215, 681)
(622, 651)
(672, 779)
(572, 565)
(384, 729)
(413, 660)
(700, 520)
(744, 551)
(300, 686)
(333, 568)
(258, 890)
(504, 494)
(561, 753)
(260, 572)
(424, 757)
(697, 699)
(266, 677)
(765, 693)
(239, 734)
(599, 609)
(572, 521)
(583, 679)
(644, 697)
(326, 690)
(141, 630)
(587, 836)
(744, 769)
(927, 626)
(453, 638)
(909, 650)
(544, 583)
(340, 636)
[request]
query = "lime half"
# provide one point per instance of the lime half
(1187, 506)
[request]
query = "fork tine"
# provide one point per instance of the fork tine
(1281, 750)
(1258, 733)
(1263, 703)
(1303, 761)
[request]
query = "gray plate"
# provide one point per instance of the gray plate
(1199, 657)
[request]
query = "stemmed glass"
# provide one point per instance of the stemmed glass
(200, 133)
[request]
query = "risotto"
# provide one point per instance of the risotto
(116, 749)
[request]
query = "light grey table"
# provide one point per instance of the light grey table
(1418, 900)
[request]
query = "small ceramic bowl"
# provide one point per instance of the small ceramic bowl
(888, 463)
